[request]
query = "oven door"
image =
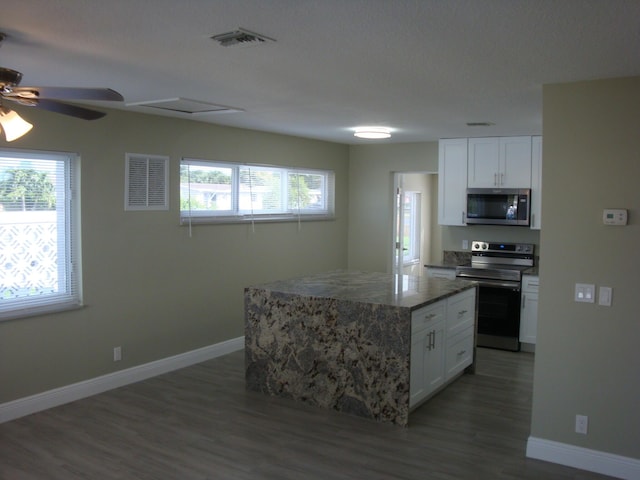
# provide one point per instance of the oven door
(499, 315)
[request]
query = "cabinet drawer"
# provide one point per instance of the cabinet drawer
(530, 283)
(461, 310)
(459, 353)
(426, 316)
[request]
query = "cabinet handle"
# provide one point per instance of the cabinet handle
(501, 178)
(461, 352)
(429, 316)
(524, 300)
(495, 179)
(428, 347)
(433, 339)
(462, 216)
(533, 220)
(461, 313)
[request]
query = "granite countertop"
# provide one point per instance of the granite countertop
(368, 287)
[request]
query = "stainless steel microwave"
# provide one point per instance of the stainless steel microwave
(498, 206)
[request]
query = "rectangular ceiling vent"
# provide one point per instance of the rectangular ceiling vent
(241, 38)
(186, 105)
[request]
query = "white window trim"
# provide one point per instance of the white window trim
(71, 297)
(414, 249)
(235, 215)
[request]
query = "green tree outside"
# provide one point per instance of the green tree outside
(27, 190)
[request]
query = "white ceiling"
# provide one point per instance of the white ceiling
(422, 67)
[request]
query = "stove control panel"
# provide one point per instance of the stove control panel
(501, 247)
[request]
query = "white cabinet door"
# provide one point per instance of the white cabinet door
(529, 309)
(452, 181)
(536, 182)
(502, 162)
(484, 162)
(434, 359)
(515, 162)
(427, 351)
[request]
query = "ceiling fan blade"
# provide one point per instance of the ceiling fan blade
(68, 93)
(66, 109)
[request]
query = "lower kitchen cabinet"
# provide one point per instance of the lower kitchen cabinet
(442, 343)
(427, 351)
(529, 309)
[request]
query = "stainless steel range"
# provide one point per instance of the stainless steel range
(498, 267)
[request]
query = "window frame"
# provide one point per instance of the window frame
(237, 214)
(68, 242)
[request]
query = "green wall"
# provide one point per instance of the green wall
(148, 286)
(588, 356)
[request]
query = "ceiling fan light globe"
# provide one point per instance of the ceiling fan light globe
(14, 125)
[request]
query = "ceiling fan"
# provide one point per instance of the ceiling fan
(53, 98)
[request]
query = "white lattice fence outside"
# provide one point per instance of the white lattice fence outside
(28, 254)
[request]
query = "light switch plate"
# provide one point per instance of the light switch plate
(604, 296)
(585, 292)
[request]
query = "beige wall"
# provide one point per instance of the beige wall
(588, 356)
(148, 287)
(371, 169)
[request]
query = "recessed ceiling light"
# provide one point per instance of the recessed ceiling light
(372, 132)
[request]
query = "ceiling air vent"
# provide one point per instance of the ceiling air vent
(241, 37)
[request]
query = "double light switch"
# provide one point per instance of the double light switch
(587, 293)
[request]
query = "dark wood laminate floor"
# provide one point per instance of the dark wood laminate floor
(200, 423)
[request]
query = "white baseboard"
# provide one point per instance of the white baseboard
(76, 391)
(584, 458)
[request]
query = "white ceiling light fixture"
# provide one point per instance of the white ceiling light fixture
(372, 132)
(13, 125)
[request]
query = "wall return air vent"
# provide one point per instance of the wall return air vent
(241, 38)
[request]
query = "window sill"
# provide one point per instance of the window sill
(38, 311)
(222, 220)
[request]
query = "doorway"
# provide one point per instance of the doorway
(415, 233)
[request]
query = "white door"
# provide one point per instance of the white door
(398, 223)
(408, 220)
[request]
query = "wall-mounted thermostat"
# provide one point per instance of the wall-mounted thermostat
(614, 216)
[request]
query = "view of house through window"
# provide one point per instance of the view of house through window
(213, 191)
(38, 267)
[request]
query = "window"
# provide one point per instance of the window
(411, 234)
(224, 192)
(39, 240)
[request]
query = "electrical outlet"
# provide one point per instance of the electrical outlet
(582, 424)
(117, 354)
(465, 244)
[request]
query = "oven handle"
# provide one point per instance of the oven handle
(484, 282)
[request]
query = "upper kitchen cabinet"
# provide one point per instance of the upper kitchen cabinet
(502, 162)
(536, 182)
(452, 181)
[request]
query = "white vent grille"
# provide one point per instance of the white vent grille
(241, 37)
(146, 182)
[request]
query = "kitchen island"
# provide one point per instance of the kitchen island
(343, 339)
